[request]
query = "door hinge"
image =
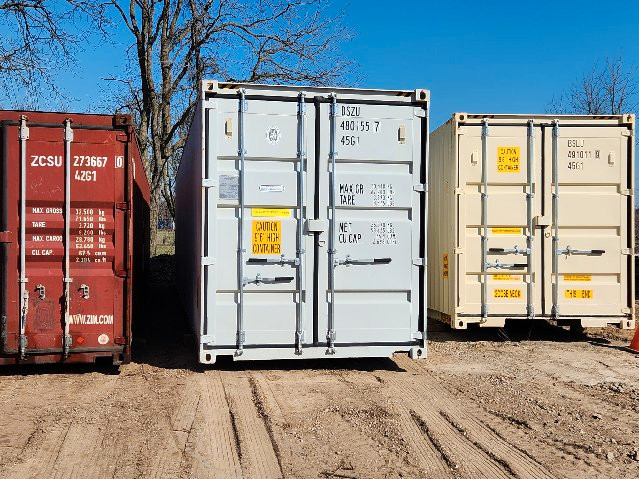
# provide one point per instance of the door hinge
(6, 237)
(420, 188)
(207, 340)
(418, 335)
(626, 133)
(626, 251)
(208, 261)
(121, 273)
(419, 262)
(420, 112)
(626, 192)
(122, 206)
(626, 310)
(458, 251)
(459, 191)
(209, 183)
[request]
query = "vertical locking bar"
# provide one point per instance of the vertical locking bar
(530, 307)
(68, 138)
(555, 217)
(24, 294)
(301, 156)
(240, 251)
(484, 219)
(330, 334)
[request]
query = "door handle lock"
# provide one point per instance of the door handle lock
(85, 291)
(42, 291)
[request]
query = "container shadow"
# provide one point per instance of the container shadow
(106, 369)
(162, 337)
(514, 331)
(226, 363)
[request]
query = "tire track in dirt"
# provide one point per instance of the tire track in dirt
(544, 398)
(216, 454)
(167, 461)
(77, 452)
(258, 452)
(460, 431)
(65, 440)
(429, 459)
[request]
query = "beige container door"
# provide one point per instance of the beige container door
(507, 220)
(592, 220)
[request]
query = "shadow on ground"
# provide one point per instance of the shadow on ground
(163, 338)
(161, 335)
(515, 331)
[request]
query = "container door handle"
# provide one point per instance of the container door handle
(498, 265)
(570, 251)
(372, 261)
(282, 260)
(515, 250)
(259, 279)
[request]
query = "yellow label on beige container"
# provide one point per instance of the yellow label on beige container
(275, 212)
(505, 277)
(507, 293)
(508, 159)
(577, 277)
(266, 237)
(579, 294)
(506, 231)
(445, 272)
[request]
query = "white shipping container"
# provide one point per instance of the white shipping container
(300, 222)
(532, 216)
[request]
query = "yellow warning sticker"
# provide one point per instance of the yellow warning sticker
(506, 231)
(508, 159)
(579, 294)
(577, 277)
(445, 273)
(507, 293)
(505, 277)
(267, 237)
(275, 212)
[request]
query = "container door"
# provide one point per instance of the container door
(277, 262)
(87, 300)
(503, 217)
(592, 218)
(368, 276)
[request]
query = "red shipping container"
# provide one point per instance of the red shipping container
(74, 232)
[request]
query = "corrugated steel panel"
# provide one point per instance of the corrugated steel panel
(533, 217)
(75, 199)
(323, 190)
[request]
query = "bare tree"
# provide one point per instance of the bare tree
(611, 88)
(179, 42)
(38, 35)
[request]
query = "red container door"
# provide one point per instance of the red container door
(75, 236)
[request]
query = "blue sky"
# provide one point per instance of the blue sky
(473, 56)
(499, 56)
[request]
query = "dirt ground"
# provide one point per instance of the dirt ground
(521, 402)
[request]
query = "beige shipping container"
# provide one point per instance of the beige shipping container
(531, 216)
